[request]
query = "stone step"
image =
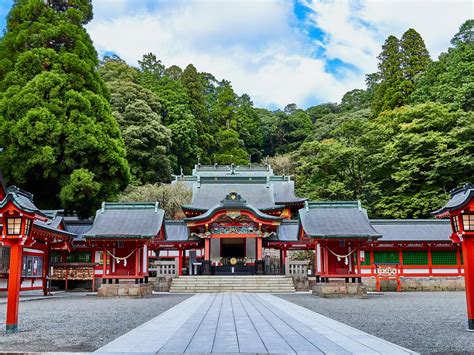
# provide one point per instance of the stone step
(238, 283)
(233, 283)
(240, 291)
(228, 288)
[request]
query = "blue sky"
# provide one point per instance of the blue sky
(278, 51)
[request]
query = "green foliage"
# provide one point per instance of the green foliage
(427, 151)
(61, 141)
(399, 164)
(400, 62)
(387, 93)
(338, 166)
(231, 148)
(170, 196)
(450, 80)
(415, 60)
(285, 131)
(81, 192)
(137, 111)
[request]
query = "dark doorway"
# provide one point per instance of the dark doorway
(233, 247)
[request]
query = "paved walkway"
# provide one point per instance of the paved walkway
(246, 323)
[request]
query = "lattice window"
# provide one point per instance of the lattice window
(55, 257)
(415, 257)
(444, 257)
(468, 222)
(79, 257)
(4, 259)
(386, 257)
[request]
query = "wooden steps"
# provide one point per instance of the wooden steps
(249, 284)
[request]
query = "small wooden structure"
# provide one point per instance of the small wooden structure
(387, 272)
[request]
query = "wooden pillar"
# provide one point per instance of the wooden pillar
(468, 258)
(281, 259)
(400, 260)
(104, 257)
(137, 253)
(326, 260)
(180, 262)
(430, 262)
(359, 269)
(458, 259)
(14, 286)
(46, 277)
(207, 249)
(259, 248)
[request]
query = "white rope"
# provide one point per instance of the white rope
(124, 258)
(345, 257)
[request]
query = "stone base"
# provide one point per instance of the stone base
(124, 290)
(454, 283)
(162, 284)
(301, 283)
(340, 289)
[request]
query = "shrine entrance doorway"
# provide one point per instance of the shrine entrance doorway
(233, 247)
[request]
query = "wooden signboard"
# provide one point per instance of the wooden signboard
(387, 272)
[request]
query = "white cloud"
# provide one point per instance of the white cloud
(256, 44)
(355, 31)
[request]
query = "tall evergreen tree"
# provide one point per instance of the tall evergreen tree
(192, 83)
(387, 92)
(60, 138)
(415, 59)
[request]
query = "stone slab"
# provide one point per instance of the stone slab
(340, 289)
(246, 323)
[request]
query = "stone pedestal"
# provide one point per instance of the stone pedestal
(301, 283)
(125, 290)
(340, 289)
(163, 284)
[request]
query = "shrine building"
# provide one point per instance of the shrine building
(242, 220)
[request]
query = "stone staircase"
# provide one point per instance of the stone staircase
(201, 284)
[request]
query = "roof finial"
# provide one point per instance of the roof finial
(232, 169)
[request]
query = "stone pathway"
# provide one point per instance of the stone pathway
(246, 323)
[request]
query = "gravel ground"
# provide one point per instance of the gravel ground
(427, 322)
(75, 322)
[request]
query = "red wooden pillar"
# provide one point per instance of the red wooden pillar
(180, 262)
(207, 249)
(468, 258)
(359, 269)
(430, 262)
(259, 248)
(137, 262)
(14, 285)
(326, 260)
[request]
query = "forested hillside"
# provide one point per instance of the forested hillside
(76, 130)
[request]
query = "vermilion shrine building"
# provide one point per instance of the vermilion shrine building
(242, 220)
